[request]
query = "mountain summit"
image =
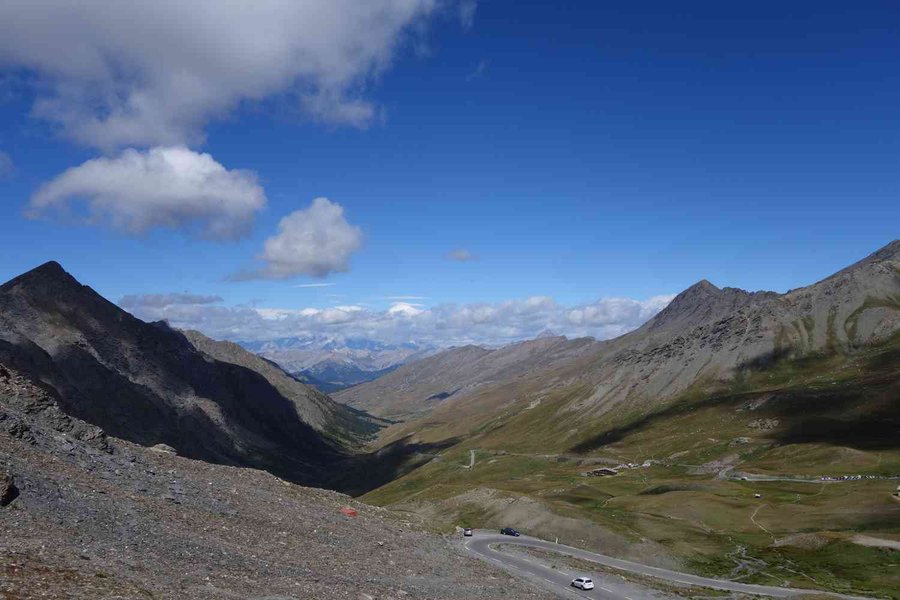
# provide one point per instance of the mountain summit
(701, 302)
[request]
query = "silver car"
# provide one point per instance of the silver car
(583, 583)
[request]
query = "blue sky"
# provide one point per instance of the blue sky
(580, 152)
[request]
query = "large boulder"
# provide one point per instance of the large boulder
(8, 491)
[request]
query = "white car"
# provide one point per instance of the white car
(583, 583)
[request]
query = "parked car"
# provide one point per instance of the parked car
(510, 531)
(467, 531)
(583, 583)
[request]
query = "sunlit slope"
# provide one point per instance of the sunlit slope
(821, 415)
(705, 339)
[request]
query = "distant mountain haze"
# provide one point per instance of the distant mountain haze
(332, 363)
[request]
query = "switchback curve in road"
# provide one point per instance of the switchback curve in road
(480, 544)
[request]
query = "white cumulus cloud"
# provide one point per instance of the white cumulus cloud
(616, 310)
(113, 74)
(170, 187)
(404, 309)
(315, 241)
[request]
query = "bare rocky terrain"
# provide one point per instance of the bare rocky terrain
(96, 517)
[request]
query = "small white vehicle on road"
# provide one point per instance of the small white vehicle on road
(583, 583)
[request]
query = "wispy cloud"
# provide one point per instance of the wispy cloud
(313, 285)
(461, 255)
(132, 301)
(467, 10)
(479, 70)
(7, 168)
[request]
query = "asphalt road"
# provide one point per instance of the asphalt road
(555, 580)
(607, 587)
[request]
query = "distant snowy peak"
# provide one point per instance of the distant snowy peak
(337, 362)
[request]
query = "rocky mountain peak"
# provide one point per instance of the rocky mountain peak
(890, 251)
(48, 276)
(702, 302)
(549, 333)
(702, 289)
(50, 268)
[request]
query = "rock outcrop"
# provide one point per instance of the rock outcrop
(8, 490)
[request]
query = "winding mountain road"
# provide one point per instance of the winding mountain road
(607, 587)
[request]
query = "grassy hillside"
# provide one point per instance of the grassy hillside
(695, 505)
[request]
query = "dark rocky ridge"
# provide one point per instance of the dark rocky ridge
(332, 419)
(149, 384)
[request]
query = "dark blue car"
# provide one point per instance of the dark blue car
(509, 531)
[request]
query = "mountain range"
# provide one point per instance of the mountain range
(726, 427)
(706, 334)
(744, 435)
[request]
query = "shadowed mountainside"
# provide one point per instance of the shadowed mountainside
(150, 384)
(335, 420)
